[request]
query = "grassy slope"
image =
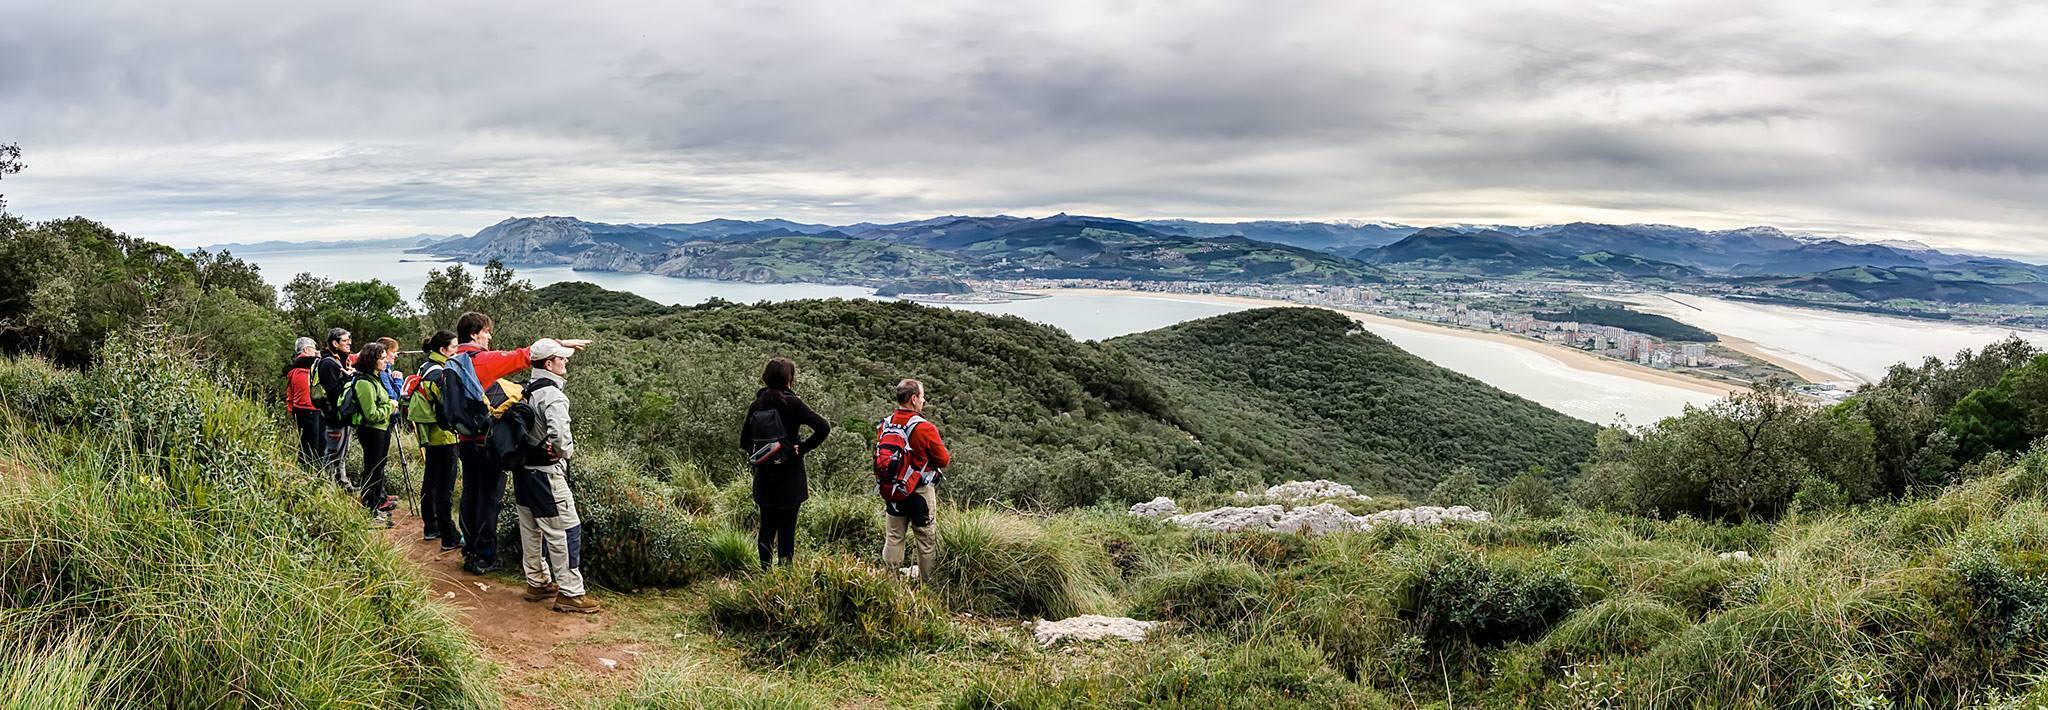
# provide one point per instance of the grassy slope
(160, 517)
(1301, 394)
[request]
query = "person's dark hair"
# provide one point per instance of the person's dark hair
(779, 373)
(469, 325)
(366, 361)
(440, 339)
(335, 335)
(907, 389)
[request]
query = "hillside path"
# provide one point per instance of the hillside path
(546, 655)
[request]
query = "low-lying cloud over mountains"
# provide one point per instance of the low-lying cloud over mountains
(208, 123)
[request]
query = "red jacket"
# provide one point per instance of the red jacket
(491, 365)
(298, 390)
(927, 450)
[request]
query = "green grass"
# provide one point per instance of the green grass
(163, 519)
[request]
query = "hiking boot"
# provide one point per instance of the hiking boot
(542, 593)
(380, 521)
(478, 567)
(581, 604)
(390, 503)
(429, 535)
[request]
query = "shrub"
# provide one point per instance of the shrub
(1453, 596)
(1205, 593)
(1617, 626)
(1004, 565)
(1277, 673)
(834, 605)
(634, 534)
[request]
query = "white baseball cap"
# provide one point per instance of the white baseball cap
(545, 348)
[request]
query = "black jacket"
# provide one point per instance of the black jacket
(784, 485)
(333, 379)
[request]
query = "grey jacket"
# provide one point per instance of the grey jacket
(553, 406)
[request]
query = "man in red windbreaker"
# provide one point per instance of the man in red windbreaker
(928, 455)
(483, 484)
(298, 399)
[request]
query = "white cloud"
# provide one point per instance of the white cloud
(203, 122)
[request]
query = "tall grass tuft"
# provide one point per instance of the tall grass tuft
(1279, 673)
(1205, 593)
(1005, 565)
(836, 606)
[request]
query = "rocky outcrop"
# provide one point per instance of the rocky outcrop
(525, 240)
(1314, 519)
(1090, 627)
(1318, 489)
(610, 257)
(1156, 508)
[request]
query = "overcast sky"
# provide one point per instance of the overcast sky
(197, 122)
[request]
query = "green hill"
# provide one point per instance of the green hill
(1043, 420)
(1302, 393)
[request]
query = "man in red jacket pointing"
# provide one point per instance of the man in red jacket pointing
(483, 484)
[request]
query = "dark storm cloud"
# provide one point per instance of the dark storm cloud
(200, 122)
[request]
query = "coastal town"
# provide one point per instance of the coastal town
(1529, 309)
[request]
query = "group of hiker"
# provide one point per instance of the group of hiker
(467, 414)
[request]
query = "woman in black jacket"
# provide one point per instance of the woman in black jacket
(768, 436)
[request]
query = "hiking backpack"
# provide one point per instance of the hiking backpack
(463, 408)
(349, 411)
(519, 436)
(895, 480)
(329, 408)
(767, 437)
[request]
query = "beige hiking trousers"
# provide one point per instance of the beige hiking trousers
(927, 536)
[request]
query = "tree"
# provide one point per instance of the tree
(369, 310)
(303, 297)
(224, 272)
(446, 295)
(10, 164)
(1746, 456)
(1530, 492)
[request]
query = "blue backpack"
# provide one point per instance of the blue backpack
(463, 408)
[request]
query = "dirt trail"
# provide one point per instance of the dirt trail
(547, 655)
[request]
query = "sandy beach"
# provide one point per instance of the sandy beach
(1569, 357)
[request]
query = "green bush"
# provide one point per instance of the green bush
(1205, 593)
(833, 605)
(634, 533)
(1277, 673)
(1617, 626)
(1004, 565)
(1453, 596)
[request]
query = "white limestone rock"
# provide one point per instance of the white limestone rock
(1736, 556)
(1159, 507)
(1313, 490)
(1090, 627)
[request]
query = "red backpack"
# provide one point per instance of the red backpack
(894, 477)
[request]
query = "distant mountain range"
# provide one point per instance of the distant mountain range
(277, 246)
(1073, 246)
(1060, 246)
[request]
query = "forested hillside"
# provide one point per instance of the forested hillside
(1042, 420)
(1304, 393)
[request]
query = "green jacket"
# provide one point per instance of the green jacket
(420, 409)
(375, 402)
